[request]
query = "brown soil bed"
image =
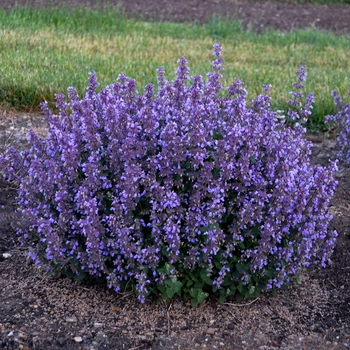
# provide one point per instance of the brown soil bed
(260, 15)
(41, 312)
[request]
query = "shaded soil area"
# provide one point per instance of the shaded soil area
(42, 312)
(259, 15)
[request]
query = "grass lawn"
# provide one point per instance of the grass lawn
(45, 51)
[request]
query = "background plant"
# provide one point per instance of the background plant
(186, 190)
(341, 120)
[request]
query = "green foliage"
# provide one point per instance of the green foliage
(198, 285)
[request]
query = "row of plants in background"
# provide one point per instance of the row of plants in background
(341, 122)
(186, 190)
(54, 48)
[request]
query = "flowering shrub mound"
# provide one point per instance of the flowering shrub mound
(185, 191)
(342, 122)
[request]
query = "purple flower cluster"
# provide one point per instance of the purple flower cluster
(303, 111)
(342, 121)
(126, 184)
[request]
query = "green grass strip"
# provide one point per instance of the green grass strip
(45, 51)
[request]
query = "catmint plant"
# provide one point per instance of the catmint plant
(184, 189)
(342, 123)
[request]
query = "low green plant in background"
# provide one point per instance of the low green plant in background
(45, 51)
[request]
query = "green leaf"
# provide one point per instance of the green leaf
(217, 264)
(170, 292)
(194, 292)
(256, 232)
(269, 273)
(252, 159)
(216, 173)
(218, 136)
(222, 296)
(189, 283)
(74, 261)
(239, 297)
(193, 277)
(240, 267)
(161, 288)
(199, 285)
(194, 302)
(198, 296)
(80, 277)
(227, 281)
(67, 273)
(205, 278)
(175, 284)
(163, 291)
(230, 291)
(173, 287)
(166, 269)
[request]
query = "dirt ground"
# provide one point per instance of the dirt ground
(260, 15)
(41, 312)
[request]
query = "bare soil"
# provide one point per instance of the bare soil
(259, 15)
(41, 312)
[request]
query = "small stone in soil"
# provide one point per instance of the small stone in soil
(211, 331)
(78, 339)
(61, 342)
(22, 335)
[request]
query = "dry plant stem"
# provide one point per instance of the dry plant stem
(232, 314)
(125, 295)
(246, 304)
(7, 143)
(168, 316)
(332, 283)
